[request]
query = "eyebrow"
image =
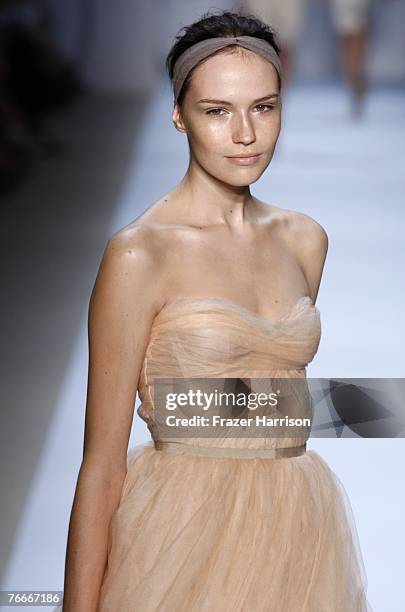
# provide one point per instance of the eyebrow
(212, 101)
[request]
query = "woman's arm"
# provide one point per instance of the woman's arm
(122, 306)
(310, 243)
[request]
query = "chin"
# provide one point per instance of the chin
(243, 178)
(243, 182)
(240, 177)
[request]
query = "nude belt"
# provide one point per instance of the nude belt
(233, 452)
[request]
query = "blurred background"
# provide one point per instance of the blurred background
(87, 143)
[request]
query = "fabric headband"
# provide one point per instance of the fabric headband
(193, 55)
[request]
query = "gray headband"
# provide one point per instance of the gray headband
(193, 55)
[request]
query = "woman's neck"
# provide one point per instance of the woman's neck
(208, 201)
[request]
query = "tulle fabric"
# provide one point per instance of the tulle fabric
(218, 534)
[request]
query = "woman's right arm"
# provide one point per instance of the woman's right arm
(125, 299)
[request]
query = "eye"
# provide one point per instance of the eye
(267, 106)
(214, 112)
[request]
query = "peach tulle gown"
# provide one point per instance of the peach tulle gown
(231, 529)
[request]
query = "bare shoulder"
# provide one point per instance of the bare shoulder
(136, 243)
(296, 227)
(131, 270)
(306, 232)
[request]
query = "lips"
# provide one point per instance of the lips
(244, 160)
(244, 155)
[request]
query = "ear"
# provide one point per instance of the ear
(177, 119)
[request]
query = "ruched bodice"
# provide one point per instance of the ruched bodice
(217, 338)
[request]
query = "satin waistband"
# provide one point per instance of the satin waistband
(233, 452)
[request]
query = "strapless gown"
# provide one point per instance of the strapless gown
(231, 525)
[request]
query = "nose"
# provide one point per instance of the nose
(243, 130)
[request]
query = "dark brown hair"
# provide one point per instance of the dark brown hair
(212, 25)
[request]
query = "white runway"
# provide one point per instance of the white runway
(348, 176)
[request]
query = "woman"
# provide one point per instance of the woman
(209, 282)
(350, 20)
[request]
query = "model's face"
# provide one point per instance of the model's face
(232, 107)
